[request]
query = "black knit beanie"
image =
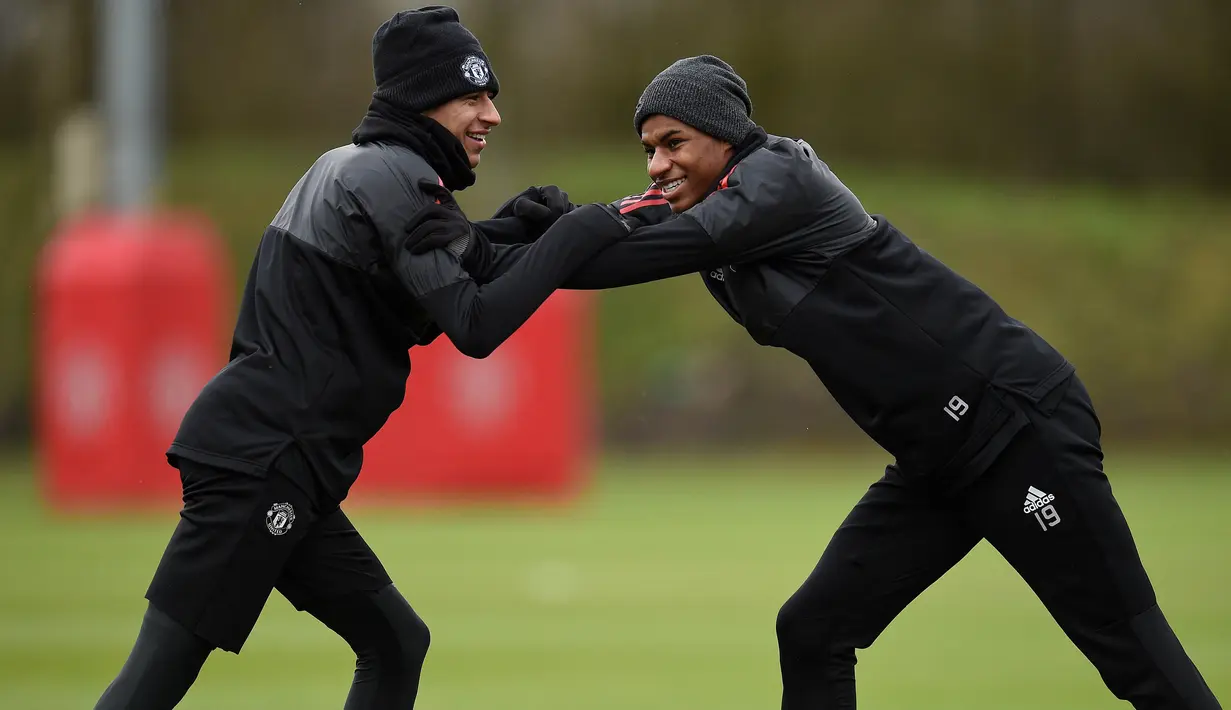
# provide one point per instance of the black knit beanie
(703, 92)
(424, 58)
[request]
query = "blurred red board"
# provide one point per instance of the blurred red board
(519, 423)
(133, 316)
(131, 320)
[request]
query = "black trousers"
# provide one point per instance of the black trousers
(1047, 507)
(239, 538)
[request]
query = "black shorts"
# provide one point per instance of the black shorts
(242, 536)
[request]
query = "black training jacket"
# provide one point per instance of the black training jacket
(926, 363)
(333, 302)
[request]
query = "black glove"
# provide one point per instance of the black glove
(437, 227)
(541, 206)
(438, 223)
(441, 224)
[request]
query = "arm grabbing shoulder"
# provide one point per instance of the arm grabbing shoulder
(479, 317)
(658, 245)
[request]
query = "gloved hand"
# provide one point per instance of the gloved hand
(540, 206)
(442, 225)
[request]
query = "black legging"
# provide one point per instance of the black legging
(1047, 507)
(163, 664)
(389, 639)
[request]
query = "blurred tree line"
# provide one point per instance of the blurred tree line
(1127, 94)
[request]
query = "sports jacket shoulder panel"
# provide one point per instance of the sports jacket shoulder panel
(354, 200)
(780, 199)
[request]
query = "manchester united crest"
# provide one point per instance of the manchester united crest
(279, 518)
(474, 68)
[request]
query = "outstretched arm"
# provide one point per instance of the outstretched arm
(761, 210)
(508, 230)
(478, 318)
(659, 246)
(675, 247)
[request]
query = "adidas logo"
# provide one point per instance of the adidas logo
(1036, 499)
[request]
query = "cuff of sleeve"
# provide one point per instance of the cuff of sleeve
(457, 247)
(614, 226)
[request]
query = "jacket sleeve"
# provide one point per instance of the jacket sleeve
(649, 253)
(778, 201)
(767, 206)
(507, 230)
(756, 209)
(478, 318)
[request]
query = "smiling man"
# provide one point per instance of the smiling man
(334, 301)
(993, 434)
(469, 118)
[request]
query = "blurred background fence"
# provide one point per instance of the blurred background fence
(1070, 156)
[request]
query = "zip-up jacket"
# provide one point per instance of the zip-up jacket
(923, 360)
(334, 301)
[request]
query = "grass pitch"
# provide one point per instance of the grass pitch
(657, 590)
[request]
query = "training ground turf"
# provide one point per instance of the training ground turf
(658, 590)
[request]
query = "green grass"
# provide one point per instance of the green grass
(657, 590)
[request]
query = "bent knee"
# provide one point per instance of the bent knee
(798, 622)
(415, 636)
(810, 624)
(410, 636)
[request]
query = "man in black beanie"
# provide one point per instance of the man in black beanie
(335, 300)
(433, 81)
(994, 436)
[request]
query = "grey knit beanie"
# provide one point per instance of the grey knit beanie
(704, 92)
